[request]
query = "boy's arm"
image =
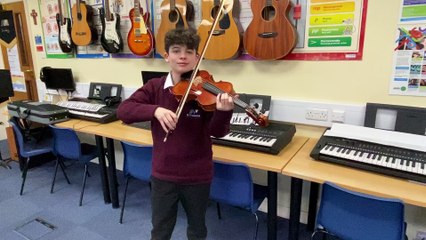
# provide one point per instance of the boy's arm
(220, 123)
(138, 107)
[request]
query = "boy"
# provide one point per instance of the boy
(182, 167)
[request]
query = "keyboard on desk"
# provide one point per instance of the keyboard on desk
(394, 160)
(89, 111)
(271, 139)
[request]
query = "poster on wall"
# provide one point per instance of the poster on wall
(409, 58)
(326, 29)
(49, 9)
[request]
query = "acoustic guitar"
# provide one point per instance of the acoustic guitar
(64, 26)
(270, 35)
(82, 33)
(225, 41)
(111, 39)
(173, 15)
(140, 38)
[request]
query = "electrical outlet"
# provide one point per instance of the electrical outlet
(318, 114)
(338, 116)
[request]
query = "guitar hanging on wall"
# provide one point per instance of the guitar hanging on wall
(226, 39)
(173, 15)
(64, 28)
(111, 39)
(140, 38)
(270, 35)
(82, 32)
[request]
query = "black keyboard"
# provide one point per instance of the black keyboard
(271, 139)
(388, 160)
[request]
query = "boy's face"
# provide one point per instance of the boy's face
(181, 59)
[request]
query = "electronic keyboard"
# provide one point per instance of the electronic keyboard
(271, 139)
(91, 111)
(392, 153)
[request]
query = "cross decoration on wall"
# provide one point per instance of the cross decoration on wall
(7, 29)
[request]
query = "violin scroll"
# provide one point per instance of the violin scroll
(259, 118)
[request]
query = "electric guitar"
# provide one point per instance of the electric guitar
(64, 27)
(270, 35)
(140, 38)
(226, 39)
(173, 15)
(82, 33)
(111, 39)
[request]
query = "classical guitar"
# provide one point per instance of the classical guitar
(270, 35)
(173, 15)
(225, 41)
(111, 39)
(82, 33)
(140, 38)
(64, 27)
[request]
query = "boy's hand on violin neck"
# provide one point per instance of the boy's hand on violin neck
(166, 118)
(224, 102)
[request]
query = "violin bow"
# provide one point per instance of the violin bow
(197, 66)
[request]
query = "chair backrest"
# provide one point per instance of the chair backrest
(232, 184)
(353, 215)
(66, 143)
(19, 137)
(137, 161)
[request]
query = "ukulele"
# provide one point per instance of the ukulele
(173, 15)
(64, 27)
(140, 38)
(82, 33)
(225, 41)
(111, 37)
(270, 35)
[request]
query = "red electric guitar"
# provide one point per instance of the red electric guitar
(140, 38)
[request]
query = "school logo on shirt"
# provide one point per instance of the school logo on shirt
(194, 113)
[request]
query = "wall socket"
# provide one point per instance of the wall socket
(318, 114)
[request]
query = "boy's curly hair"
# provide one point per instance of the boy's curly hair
(180, 36)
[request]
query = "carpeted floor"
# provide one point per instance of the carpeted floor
(37, 214)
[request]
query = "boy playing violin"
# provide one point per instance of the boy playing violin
(182, 167)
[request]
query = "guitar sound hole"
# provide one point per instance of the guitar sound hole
(214, 11)
(268, 13)
(173, 16)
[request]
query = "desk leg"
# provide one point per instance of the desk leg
(272, 205)
(313, 200)
(102, 168)
(295, 202)
(112, 173)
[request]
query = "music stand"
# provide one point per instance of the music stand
(6, 91)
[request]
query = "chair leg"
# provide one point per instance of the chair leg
(219, 215)
(84, 184)
(62, 165)
(257, 226)
(54, 175)
(24, 175)
(124, 200)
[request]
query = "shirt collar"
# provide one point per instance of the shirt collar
(169, 81)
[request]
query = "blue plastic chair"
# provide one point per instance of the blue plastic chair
(67, 146)
(137, 164)
(29, 148)
(232, 184)
(349, 215)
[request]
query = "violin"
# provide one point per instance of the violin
(204, 90)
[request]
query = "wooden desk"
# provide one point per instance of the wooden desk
(273, 164)
(303, 167)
